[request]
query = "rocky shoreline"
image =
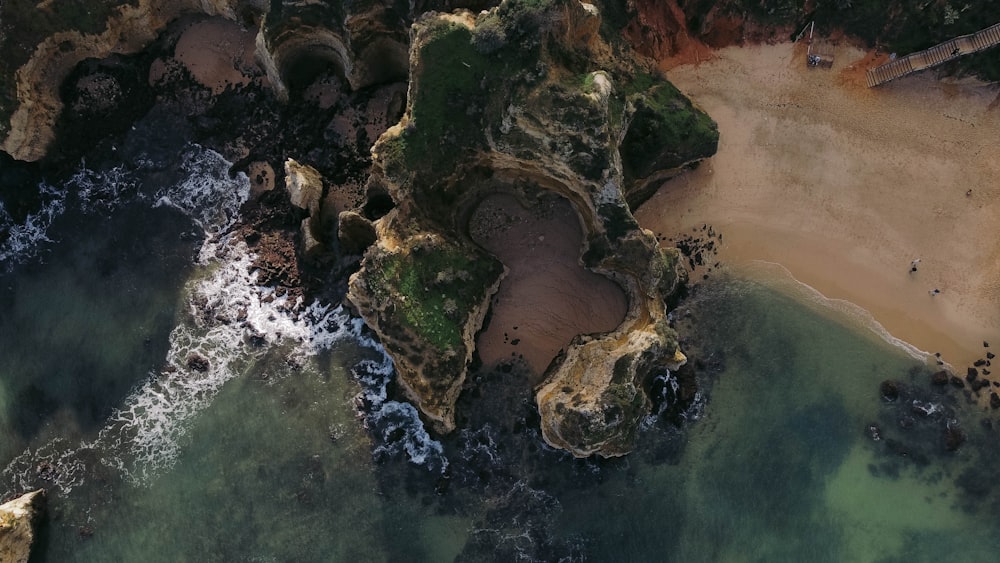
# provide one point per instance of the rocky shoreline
(326, 82)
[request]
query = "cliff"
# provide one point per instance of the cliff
(367, 42)
(19, 521)
(525, 97)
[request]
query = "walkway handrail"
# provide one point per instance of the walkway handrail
(938, 54)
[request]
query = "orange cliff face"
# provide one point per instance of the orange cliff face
(657, 29)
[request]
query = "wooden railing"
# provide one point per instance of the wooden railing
(949, 50)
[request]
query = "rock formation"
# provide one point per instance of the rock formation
(522, 98)
(365, 44)
(19, 521)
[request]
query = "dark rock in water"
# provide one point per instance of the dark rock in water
(979, 384)
(994, 401)
(979, 363)
(986, 372)
(890, 390)
(953, 436)
(971, 374)
(990, 355)
(874, 432)
(198, 362)
(986, 344)
(940, 378)
(923, 409)
(907, 422)
(957, 382)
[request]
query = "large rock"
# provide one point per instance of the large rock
(527, 94)
(63, 42)
(355, 232)
(19, 521)
(305, 187)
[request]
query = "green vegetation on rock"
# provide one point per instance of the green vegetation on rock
(666, 130)
(448, 100)
(434, 288)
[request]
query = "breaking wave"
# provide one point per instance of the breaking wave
(396, 426)
(231, 322)
(23, 239)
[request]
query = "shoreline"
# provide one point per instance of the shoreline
(843, 186)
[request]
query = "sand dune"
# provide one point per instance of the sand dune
(547, 297)
(844, 186)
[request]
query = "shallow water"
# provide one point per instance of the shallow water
(264, 456)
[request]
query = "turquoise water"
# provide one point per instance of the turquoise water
(289, 447)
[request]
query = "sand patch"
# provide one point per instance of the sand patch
(844, 186)
(218, 53)
(548, 297)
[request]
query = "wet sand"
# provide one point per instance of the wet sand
(217, 52)
(547, 297)
(843, 186)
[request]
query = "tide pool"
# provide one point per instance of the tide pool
(289, 445)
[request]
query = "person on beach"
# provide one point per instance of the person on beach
(913, 265)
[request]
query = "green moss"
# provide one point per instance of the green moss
(448, 102)
(434, 289)
(666, 131)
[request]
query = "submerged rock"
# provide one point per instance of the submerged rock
(940, 377)
(19, 521)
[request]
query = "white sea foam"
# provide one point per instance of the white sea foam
(780, 276)
(101, 191)
(208, 194)
(23, 239)
(230, 321)
(396, 425)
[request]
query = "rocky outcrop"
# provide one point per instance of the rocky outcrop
(130, 28)
(363, 46)
(19, 521)
(355, 233)
(523, 97)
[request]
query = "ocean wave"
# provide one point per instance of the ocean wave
(776, 275)
(396, 426)
(24, 239)
(208, 193)
(102, 191)
(229, 323)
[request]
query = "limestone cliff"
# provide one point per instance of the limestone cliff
(19, 520)
(366, 42)
(52, 52)
(527, 96)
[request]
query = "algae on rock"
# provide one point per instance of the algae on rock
(525, 94)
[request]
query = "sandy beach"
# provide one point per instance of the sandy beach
(844, 186)
(547, 297)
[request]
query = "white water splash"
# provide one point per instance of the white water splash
(208, 194)
(24, 239)
(102, 191)
(776, 274)
(230, 323)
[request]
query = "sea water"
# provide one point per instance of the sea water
(289, 447)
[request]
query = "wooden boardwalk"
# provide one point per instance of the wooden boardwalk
(949, 50)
